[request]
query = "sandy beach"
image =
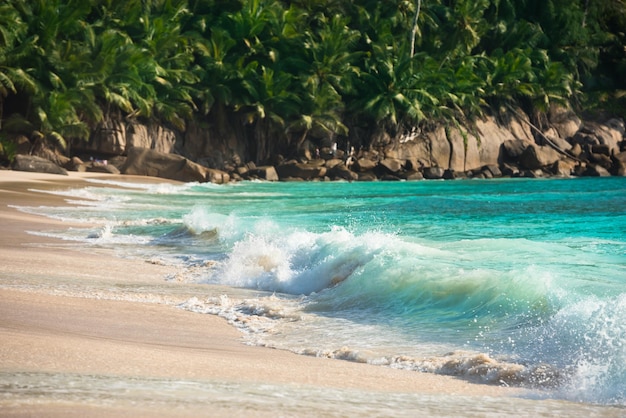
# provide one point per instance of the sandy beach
(75, 345)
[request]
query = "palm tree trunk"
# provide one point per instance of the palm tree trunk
(548, 140)
(414, 29)
(302, 138)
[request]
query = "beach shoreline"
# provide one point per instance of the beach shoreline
(64, 316)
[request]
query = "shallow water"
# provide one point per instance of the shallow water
(511, 282)
(198, 398)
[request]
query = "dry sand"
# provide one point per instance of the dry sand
(92, 340)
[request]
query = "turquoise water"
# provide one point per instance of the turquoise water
(512, 282)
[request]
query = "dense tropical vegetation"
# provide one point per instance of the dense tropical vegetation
(306, 69)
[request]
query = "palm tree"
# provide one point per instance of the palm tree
(331, 57)
(414, 28)
(13, 78)
(321, 115)
(271, 102)
(43, 62)
(389, 94)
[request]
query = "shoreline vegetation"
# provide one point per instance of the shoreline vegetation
(317, 90)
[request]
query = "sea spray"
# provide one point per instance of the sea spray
(512, 282)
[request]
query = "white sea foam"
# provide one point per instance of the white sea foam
(295, 262)
(85, 194)
(395, 276)
(155, 188)
(200, 220)
(598, 330)
(268, 322)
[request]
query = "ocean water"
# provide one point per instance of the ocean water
(509, 282)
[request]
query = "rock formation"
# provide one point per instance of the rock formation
(148, 162)
(507, 145)
(36, 164)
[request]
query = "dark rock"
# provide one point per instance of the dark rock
(583, 138)
(449, 174)
(333, 162)
(563, 168)
(414, 175)
(267, 172)
(75, 164)
(411, 165)
(117, 161)
(551, 137)
(147, 162)
(610, 134)
(493, 169)
(619, 168)
(509, 170)
(580, 169)
(620, 156)
(22, 145)
(318, 162)
(514, 148)
(391, 165)
(101, 167)
(108, 138)
(326, 153)
(535, 157)
(369, 176)
(576, 150)
(595, 170)
(601, 149)
(301, 170)
(602, 160)
(36, 165)
(564, 120)
(44, 151)
(364, 164)
(340, 171)
(274, 160)
(532, 174)
(215, 176)
(460, 175)
(433, 173)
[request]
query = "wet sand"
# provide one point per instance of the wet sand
(66, 322)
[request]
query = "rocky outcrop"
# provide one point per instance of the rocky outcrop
(267, 173)
(565, 122)
(148, 162)
(507, 145)
(294, 169)
(610, 134)
(433, 173)
(115, 137)
(36, 164)
(529, 155)
(457, 148)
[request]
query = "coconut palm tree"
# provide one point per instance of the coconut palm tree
(43, 60)
(13, 78)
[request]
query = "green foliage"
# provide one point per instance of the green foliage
(299, 70)
(8, 149)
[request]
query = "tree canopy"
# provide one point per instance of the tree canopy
(305, 69)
